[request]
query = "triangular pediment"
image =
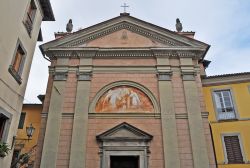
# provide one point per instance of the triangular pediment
(123, 32)
(124, 131)
(123, 38)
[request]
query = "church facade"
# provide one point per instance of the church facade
(125, 93)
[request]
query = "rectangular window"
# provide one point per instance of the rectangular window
(233, 149)
(3, 122)
(224, 104)
(21, 121)
(17, 64)
(30, 16)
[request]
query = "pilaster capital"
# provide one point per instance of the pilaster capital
(60, 73)
(84, 72)
(60, 76)
(188, 76)
(84, 76)
(188, 71)
(164, 76)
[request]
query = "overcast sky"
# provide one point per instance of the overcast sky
(224, 24)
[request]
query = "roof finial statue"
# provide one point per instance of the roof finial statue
(69, 26)
(178, 25)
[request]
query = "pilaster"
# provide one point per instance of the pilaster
(168, 119)
(80, 126)
(198, 141)
(52, 134)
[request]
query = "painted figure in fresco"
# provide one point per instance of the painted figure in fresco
(124, 99)
(135, 99)
(112, 97)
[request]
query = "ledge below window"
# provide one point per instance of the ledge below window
(15, 75)
(227, 116)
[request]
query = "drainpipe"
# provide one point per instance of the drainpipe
(212, 138)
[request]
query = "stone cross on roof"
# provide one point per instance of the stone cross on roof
(124, 6)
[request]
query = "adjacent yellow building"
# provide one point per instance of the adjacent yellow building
(227, 99)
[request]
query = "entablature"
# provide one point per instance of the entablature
(171, 52)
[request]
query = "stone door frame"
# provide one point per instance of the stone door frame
(124, 140)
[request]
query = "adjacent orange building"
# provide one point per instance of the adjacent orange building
(31, 114)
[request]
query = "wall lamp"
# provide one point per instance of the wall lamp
(29, 132)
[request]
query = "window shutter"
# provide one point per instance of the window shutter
(21, 65)
(17, 61)
(234, 154)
